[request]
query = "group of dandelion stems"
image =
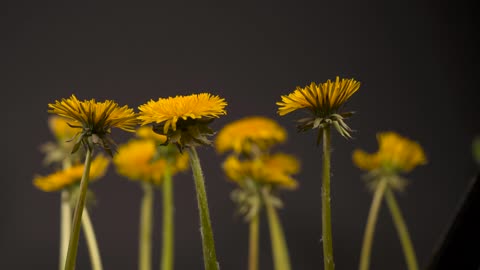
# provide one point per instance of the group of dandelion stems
(171, 131)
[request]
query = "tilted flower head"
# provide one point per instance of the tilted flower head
(95, 119)
(324, 101)
(183, 119)
(395, 153)
(243, 135)
(68, 177)
(139, 160)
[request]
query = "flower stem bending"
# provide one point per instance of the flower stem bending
(91, 242)
(145, 239)
(65, 226)
(326, 212)
(281, 258)
(253, 242)
(209, 254)
(402, 230)
(168, 229)
(77, 217)
(371, 222)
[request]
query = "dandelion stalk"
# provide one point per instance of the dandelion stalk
(65, 226)
(370, 228)
(168, 229)
(281, 258)
(77, 217)
(253, 242)
(145, 239)
(209, 254)
(326, 212)
(91, 241)
(402, 230)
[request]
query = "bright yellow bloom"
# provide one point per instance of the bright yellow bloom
(147, 133)
(322, 99)
(64, 178)
(395, 152)
(275, 169)
(61, 129)
(170, 110)
(138, 160)
(242, 134)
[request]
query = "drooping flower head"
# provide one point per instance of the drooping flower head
(71, 176)
(139, 160)
(95, 119)
(323, 100)
(183, 119)
(244, 135)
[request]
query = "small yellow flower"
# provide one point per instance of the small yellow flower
(61, 128)
(241, 135)
(138, 160)
(183, 119)
(147, 133)
(395, 152)
(65, 178)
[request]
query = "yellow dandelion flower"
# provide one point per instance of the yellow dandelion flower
(244, 134)
(395, 152)
(183, 119)
(65, 178)
(61, 128)
(137, 160)
(147, 133)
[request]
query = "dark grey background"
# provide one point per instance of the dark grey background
(417, 61)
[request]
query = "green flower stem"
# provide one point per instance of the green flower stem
(253, 242)
(209, 254)
(370, 228)
(146, 220)
(168, 229)
(65, 226)
(91, 241)
(326, 212)
(77, 217)
(402, 230)
(281, 259)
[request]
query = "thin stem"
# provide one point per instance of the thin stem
(65, 226)
(168, 229)
(145, 238)
(209, 254)
(253, 242)
(77, 217)
(326, 212)
(402, 230)
(370, 228)
(281, 259)
(91, 242)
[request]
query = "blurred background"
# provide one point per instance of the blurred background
(417, 61)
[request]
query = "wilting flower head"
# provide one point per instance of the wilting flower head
(395, 153)
(183, 119)
(95, 119)
(243, 135)
(323, 100)
(139, 160)
(68, 177)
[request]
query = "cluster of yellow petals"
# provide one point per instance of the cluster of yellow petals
(241, 135)
(98, 116)
(147, 133)
(169, 110)
(274, 169)
(323, 98)
(64, 178)
(60, 128)
(137, 160)
(394, 152)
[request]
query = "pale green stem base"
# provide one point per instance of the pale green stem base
(370, 228)
(77, 217)
(65, 226)
(145, 238)
(209, 254)
(91, 241)
(402, 230)
(281, 259)
(168, 229)
(253, 242)
(326, 212)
